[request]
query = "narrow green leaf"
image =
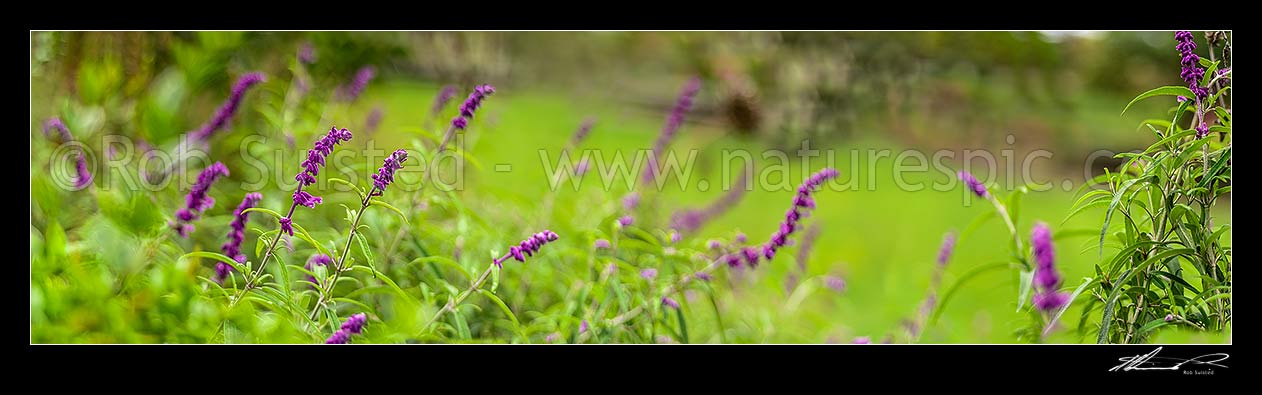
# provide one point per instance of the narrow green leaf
(396, 210)
(1027, 281)
(1162, 91)
(262, 210)
(1086, 282)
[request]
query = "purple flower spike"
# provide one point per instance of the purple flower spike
(626, 220)
(974, 184)
(583, 130)
(649, 274)
(713, 244)
(444, 96)
(835, 283)
(352, 326)
(670, 302)
(233, 247)
(583, 166)
(197, 199)
(307, 54)
(471, 105)
(703, 276)
(948, 246)
(229, 107)
(287, 226)
(862, 340)
(527, 247)
(673, 122)
(602, 244)
(582, 327)
(1192, 71)
(84, 177)
(1046, 280)
(740, 238)
(56, 125)
(317, 260)
(311, 166)
(1202, 130)
(385, 175)
(355, 87)
(631, 201)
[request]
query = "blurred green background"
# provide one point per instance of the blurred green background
(1058, 91)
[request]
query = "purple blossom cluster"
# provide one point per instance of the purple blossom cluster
(355, 87)
(1192, 72)
(197, 199)
(311, 165)
(974, 184)
(236, 236)
(385, 175)
(374, 120)
(673, 122)
(316, 260)
(584, 129)
(444, 96)
(307, 53)
(528, 247)
(1046, 280)
(352, 326)
(83, 176)
(802, 204)
(229, 107)
(471, 105)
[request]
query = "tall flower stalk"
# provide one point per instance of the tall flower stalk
(229, 107)
(519, 252)
(673, 122)
(198, 199)
(236, 236)
(306, 177)
(381, 180)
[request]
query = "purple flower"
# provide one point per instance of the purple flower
(197, 199)
(740, 238)
(948, 246)
(673, 122)
(626, 220)
(55, 124)
(862, 340)
(631, 201)
(316, 260)
(804, 250)
(287, 226)
(648, 274)
(352, 326)
(691, 220)
(385, 175)
(675, 236)
(311, 166)
(552, 337)
(527, 247)
(583, 166)
(471, 105)
(703, 276)
(373, 120)
(84, 177)
(713, 244)
(670, 302)
(974, 184)
(307, 53)
(444, 96)
(1192, 72)
(611, 269)
(1169, 317)
(663, 339)
(1202, 130)
(355, 87)
(583, 130)
(229, 107)
(835, 283)
(1046, 280)
(802, 203)
(233, 247)
(602, 243)
(582, 327)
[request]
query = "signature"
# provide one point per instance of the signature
(1151, 361)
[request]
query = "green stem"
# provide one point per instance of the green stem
(326, 291)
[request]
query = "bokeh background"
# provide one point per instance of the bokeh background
(1059, 91)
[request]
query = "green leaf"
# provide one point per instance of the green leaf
(1210, 72)
(1154, 324)
(262, 210)
(301, 233)
(1027, 282)
(1086, 282)
(363, 247)
(1162, 91)
(504, 307)
(1103, 336)
(376, 202)
(218, 257)
(1108, 215)
(1219, 164)
(354, 187)
(1014, 203)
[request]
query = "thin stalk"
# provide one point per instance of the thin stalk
(1012, 227)
(671, 290)
(327, 289)
(271, 247)
(451, 304)
(416, 196)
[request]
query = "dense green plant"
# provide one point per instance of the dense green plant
(1171, 266)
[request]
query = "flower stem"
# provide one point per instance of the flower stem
(338, 268)
(451, 304)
